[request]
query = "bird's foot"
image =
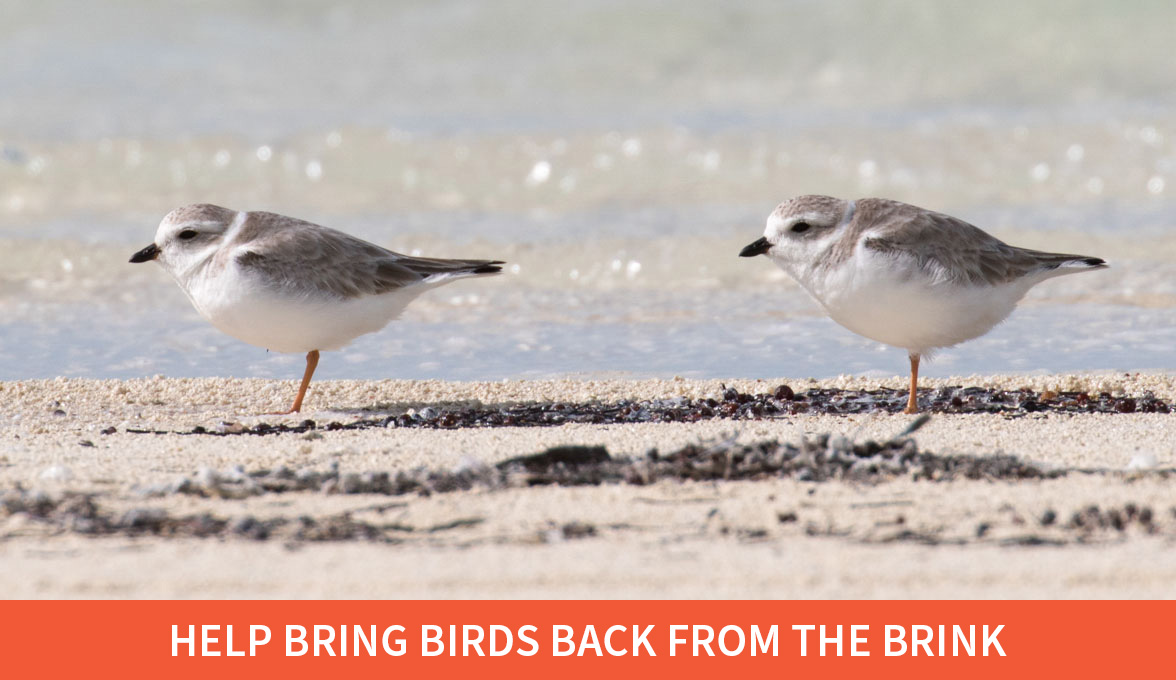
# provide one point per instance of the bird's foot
(282, 413)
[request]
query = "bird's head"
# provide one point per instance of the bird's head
(801, 228)
(188, 236)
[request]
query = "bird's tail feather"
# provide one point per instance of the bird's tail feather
(1056, 264)
(436, 270)
(1079, 262)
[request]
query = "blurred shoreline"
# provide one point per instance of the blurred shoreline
(618, 153)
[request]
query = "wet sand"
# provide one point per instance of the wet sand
(105, 493)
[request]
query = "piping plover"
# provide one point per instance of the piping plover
(902, 275)
(288, 285)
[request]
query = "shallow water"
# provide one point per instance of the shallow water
(617, 154)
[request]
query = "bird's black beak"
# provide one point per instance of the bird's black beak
(758, 247)
(146, 255)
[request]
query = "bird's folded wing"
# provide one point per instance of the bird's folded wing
(314, 261)
(957, 252)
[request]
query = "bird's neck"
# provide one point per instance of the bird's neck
(194, 267)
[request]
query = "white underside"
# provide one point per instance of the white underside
(890, 300)
(259, 316)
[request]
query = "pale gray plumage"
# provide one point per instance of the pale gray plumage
(963, 252)
(344, 266)
(290, 285)
(949, 247)
(903, 275)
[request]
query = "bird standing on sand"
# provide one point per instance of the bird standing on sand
(288, 285)
(902, 275)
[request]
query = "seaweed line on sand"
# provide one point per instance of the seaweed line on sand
(818, 459)
(733, 405)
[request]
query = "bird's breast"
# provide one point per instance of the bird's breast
(266, 317)
(885, 300)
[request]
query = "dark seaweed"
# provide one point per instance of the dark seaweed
(818, 459)
(781, 402)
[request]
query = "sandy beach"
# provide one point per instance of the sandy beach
(160, 488)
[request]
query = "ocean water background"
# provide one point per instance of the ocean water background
(617, 154)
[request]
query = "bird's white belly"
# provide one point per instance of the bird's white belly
(908, 309)
(261, 317)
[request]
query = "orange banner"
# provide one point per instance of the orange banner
(179, 639)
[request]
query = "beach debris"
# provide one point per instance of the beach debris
(569, 531)
(817, 459)
(730, 404)
(571, 456)
(225, 427)
(1142, 460)
(82, 514)
(1091, 519)
(915, 425)
(56, 473)
(811, 460)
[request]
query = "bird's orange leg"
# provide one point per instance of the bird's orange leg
(312, 358)
(912, 402)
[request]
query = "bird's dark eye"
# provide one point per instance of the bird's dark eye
(798, 228)
(187, 234)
